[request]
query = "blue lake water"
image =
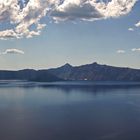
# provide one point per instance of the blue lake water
(69, 111)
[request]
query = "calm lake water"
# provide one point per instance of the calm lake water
(69, 111)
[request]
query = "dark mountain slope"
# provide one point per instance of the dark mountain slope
(28, 74)
(96, 72)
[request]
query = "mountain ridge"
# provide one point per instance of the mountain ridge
(91, 72)
(96, 72)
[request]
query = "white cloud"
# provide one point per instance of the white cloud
(12, 51)
(92, 9)
(120, 51)
(136, 49)
(131, 29)
(24, 21)
(137, 24)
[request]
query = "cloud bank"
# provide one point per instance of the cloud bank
(12, 51)
(23, 18)
(121, 51)
(136, 49)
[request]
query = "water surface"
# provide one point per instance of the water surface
(69, 111)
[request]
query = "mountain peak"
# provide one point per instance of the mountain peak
(67, 65)
(95, 63)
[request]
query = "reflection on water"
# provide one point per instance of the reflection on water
(69, 111)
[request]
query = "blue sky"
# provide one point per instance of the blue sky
(77, 42)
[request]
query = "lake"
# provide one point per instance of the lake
(69, 110)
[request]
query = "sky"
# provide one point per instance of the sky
(41, 34)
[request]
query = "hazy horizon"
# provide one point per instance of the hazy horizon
(71, 65)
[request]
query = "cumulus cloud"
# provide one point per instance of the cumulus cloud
(92, 9)
(12, 51)
(120, 51)
(21, 19)
(24, 16)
